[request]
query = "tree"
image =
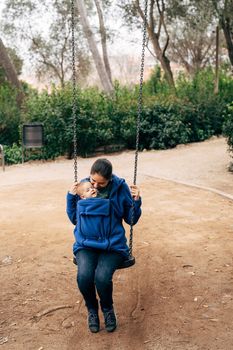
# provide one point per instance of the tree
(224, 10)
(192, 26)
(102, 65)
(49, 50)
(156, 29)
(10, 71)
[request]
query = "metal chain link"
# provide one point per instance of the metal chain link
(139, 114)
(74, 95)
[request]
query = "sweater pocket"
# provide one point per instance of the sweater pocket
(94, 221)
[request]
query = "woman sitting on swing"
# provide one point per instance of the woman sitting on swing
(97, 210)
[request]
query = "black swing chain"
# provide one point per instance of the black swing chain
(139, 114)
(74, 95)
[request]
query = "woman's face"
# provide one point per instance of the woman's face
(98, 181)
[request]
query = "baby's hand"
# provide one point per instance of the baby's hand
(73, 189)
(135, 192)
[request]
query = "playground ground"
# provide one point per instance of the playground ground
(178, 296)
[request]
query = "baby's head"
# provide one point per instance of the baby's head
(86, 190)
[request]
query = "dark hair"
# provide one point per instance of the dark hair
(102, 167)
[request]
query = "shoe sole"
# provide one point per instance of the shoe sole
(110, 329)
(94, 330)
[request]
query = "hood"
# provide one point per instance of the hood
(116, 183)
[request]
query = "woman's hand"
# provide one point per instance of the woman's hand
(73, 189)
(135, 192)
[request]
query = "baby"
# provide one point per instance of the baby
(86, 190)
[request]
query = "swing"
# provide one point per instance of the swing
(130, 261)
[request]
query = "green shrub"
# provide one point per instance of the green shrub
(155, 84)
(54, 110)
(9, 115)
(228, 126)
(13, 154)
(162, 127)
(192, 113)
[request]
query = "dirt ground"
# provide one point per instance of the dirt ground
(178, 296)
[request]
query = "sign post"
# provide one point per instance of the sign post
(2, 156)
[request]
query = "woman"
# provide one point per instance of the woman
(100, 244)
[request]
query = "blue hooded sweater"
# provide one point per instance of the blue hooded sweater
(99, 222)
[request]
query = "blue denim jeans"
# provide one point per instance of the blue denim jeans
(95, 272)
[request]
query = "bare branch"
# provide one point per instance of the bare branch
(152, 54)
(161, 15)
(45, 312)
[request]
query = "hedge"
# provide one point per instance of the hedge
(192, 113)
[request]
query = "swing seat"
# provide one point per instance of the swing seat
(126, 263)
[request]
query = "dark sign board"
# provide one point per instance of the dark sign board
(32, 135)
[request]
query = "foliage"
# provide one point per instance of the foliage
(9, 115)
(205, 115)
(156, 29)
(13, 154)
(17, 62)
(224, 12)
(54, 110)
(192, 113)
(228, 126)
(156, 84)
(163, 127)
(192, 24)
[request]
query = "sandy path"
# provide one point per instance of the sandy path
(203, 164)
(178, 295)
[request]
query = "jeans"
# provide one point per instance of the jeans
(95, 272)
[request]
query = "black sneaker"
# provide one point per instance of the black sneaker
(110, 320)
(93, 321)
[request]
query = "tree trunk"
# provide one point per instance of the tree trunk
(227, 30)
(154, 37)
(103, 39)
(216, 81)
(164, 61)
(225, 17)
(107, 85)
(10, 71)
